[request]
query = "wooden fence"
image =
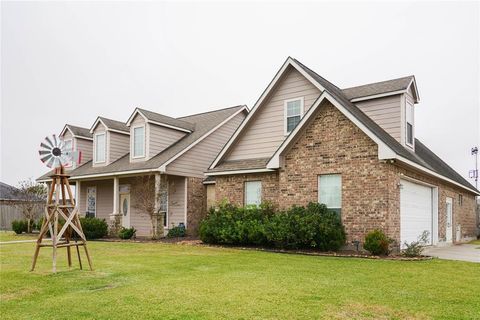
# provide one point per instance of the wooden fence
(9, 212)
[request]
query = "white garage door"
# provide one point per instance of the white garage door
(416, 211)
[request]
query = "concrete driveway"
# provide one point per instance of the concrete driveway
(462, 252)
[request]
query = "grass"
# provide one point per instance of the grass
(167, 281)
(475, 242)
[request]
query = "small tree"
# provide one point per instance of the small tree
(145, 199)
(31, 196)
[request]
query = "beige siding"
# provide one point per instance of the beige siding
(195, 162)
(386, 112)
(86, 147)
(104, 197)
(67, 135)
(117, 146)
(176, 200)
(265, 133)
(161, 138)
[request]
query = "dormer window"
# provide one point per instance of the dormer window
(68, 145)
(293, 113)
(409, 125)
(139, 142)
(100, 147)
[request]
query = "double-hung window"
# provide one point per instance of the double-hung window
(100, 147)
(139, 142)
(293, 113)
(330, 191)
(68, 145)
(409, 124)
(253, 193)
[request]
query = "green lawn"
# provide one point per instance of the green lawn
(165, 281)
(475, 242)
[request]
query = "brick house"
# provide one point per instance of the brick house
(353, 149)
(173, 152)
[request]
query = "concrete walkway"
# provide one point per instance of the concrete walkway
(462, 252)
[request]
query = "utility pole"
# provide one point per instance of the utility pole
(474, 173)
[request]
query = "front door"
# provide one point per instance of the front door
(449, 220)
(125, 209)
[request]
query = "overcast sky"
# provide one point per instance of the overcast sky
(69, 62)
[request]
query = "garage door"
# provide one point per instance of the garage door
(416, 211)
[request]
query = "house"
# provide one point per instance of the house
(306, 140)
(78, 139)
(11, 202)
(174, 151)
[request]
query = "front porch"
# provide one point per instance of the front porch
(116, 199)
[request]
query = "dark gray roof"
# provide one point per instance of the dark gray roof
(10, 193)
(203, 122)
(157, 117)
(209, 179)
(115, 125)
(377, 88)
(79, 131)
(232, 165)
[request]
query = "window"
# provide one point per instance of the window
(330, 191)
(409, 124)
(100, 147)
(293, 113)
(460, 200)
(253, 193)
(139, 142)
(68, 145)
(91, 201)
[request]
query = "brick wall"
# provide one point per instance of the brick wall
(196, 204)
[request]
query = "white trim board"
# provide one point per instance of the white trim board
(137, 111)
(66, 127)
(92, 129)
(280, 73)
(222, 173)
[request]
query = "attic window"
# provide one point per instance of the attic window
(293, 113)
(409, 125)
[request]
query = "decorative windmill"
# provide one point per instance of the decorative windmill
(54, 154)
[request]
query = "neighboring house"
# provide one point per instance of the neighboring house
(80, 140)
(355, 150)
(10, 199)
(176, 150)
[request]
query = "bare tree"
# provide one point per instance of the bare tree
(31, 196)
(145, 199)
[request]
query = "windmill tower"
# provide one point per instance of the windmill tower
(61, 214)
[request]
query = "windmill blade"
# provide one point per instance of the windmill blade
(55, 140)
(43, 145)
(43, 152)
(49, 142)
(47, 157)
(50, 162)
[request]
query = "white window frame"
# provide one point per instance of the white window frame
(71, 143)
(285, 105)
(410, 106)
(245, 184)
(86, 199)
(95, 147)
(144, 141)
(341, 193)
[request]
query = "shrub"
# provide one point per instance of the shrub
(299, 227)
(19, 226)
(176, 232)
(126, 233)
(94, 228)
(415, 248)
(377, 243)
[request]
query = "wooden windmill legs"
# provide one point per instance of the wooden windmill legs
(66, 211)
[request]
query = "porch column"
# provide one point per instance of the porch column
(115, 216)
(77, 193)
(158, 231)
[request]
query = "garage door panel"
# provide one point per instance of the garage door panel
(416, 209)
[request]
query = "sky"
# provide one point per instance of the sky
(68, 62)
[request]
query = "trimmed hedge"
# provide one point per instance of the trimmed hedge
(377, 243)
(126, 233)
(313, 226)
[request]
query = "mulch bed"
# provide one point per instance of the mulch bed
(192, 241)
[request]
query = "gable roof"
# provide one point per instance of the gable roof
(205, 123)
(77, 132)
(162, 120)
(389, 147)
(10, 193)
(111, 125)
(382, 88)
